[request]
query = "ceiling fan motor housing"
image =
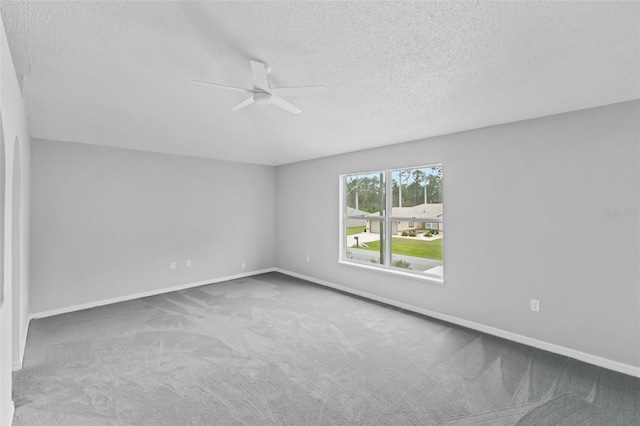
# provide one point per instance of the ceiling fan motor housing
(262, 98)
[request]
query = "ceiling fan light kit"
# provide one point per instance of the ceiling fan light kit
(262, 98)
(262, 92)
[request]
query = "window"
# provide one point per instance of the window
(408, 236)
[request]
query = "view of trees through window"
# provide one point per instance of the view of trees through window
(409, 235)
(366, 192)
(417, 186)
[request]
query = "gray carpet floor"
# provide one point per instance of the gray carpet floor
(275, 350)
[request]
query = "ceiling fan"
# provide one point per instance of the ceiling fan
(263, 94)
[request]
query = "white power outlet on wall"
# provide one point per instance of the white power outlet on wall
(308, 258)
(173, 265)
(189, 263)
(243, 265)
(535, 305)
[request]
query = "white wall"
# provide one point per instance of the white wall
(6, 403)
(545, 185)
(14, 312)
(108, 222)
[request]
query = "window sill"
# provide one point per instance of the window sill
(432, 280)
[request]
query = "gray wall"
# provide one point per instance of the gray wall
(543, 185)
(108, 222)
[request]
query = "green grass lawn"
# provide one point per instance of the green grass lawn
(409, 247)
(355, 230)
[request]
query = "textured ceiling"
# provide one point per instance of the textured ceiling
(119, 73)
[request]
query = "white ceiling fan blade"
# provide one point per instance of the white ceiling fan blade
(285, 105)
(259, 73)
(222, 86)
(301, 90)
(243, 104)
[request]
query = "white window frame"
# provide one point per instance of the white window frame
(386, 220)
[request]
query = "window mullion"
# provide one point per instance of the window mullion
(343, 217)
(387, 215)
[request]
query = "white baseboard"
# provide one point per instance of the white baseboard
(89, 305)
(17, 363)
(7, 418)
(550, 347)
(24, 341)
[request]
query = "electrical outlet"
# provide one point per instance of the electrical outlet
(189, 263)
(173, 265)
(535, 305)
(308, 258)
(243, 265)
